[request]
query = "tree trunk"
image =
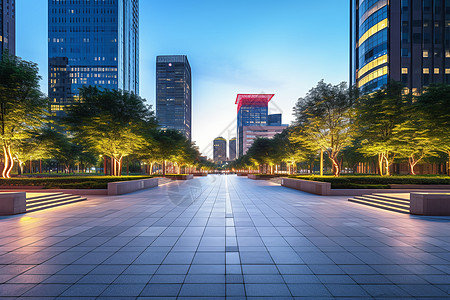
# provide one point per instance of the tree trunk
(321, 162)
(164, 168)
(388, 173)
(380, 164)
(336, 168)
(9, 163)
(411, 163)
(448, 167)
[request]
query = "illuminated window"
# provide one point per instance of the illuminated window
(425, 53)
(447, 53)
(447, 71)
(404, 70)
(426, 71)
(405, 91)
(436, 70)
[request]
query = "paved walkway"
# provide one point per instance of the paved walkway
(223, 236)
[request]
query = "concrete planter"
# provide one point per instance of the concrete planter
(181, 177)
(200, 174)
(313, 187)
(260, 177)
(13, 203)
(430, 204)
(242, 174)
(125, 187)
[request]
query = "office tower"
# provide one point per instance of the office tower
(232, 149)
(401, 40)
(173, 93)
(220, 150)
(251, 133)
(253, 120)
(274, 120)
(94, 43)
(7, 27)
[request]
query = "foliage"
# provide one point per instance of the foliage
(378, 115)
(110, 122)
(371, 181)
(434, 106)
(66, 182)
(23, 108)
(324, 120)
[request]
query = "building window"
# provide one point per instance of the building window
(404, 70)
(425, 53)
(426, 71)
(436, 70)
(447, 71)
(447, 53)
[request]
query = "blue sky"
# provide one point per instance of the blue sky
(282, 47)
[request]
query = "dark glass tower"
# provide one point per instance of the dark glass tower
(7, 27)
(220, 150)
(401, 40)
(252, 111)
(173, 93)
(232, 149)
(91, 42)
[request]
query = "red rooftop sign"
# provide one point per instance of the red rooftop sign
(253, 99)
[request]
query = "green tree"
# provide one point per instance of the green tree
(434, 105)
(324, 120)
(168, 146)
(22, 105)
(378, 115)
(263, 153)
(110, 122)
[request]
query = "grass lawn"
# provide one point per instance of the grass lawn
(375, 181)
(67, 182)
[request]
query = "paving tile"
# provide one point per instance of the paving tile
(273, 243)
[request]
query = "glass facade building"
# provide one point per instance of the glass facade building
(7, 27)
(220, 150)
(252, 111)
(232, 149)
(91, 42)
(174, 93)
(402, 40)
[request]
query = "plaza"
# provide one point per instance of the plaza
(223, 237)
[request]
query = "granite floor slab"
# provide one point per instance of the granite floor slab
(223, 237)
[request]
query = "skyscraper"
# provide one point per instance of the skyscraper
(7, 27)
(173, 93)
(220, 149)
(232, 149)
(252, 110)
(401, 40)
(91, 42)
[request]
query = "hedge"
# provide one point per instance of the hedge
(67, 182)
(373, 181)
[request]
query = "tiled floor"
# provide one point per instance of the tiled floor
(223, 237)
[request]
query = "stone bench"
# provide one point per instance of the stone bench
(125, 187)
(430, 204)
(13, 203)
(309, 186)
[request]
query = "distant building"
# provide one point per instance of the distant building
(232, 149)
(252, 110)
(274, 120)
(220, 150)
(251, 133)
(7, 27)
(174, 93)
(91, 43)
(401, 40)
